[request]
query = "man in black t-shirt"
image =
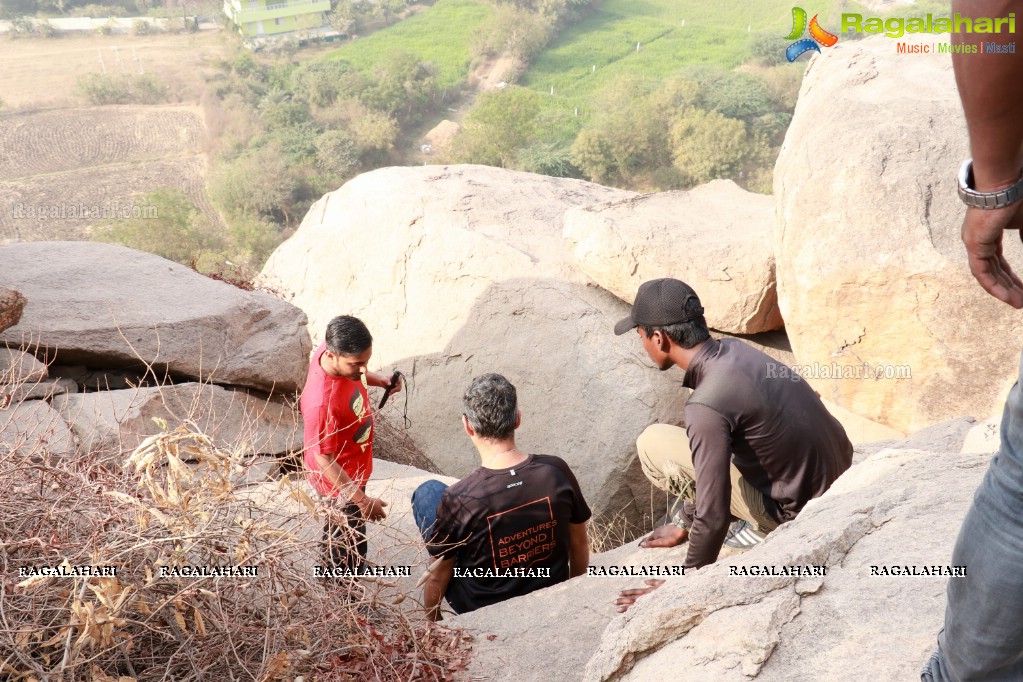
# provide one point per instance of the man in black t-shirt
(515, 525)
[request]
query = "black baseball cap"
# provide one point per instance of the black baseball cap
(659, 303)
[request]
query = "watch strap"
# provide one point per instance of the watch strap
(986, 200)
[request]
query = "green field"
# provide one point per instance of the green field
(672, 34)
(441, 35)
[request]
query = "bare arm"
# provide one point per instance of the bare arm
(382, 381)
(372, 507)
(578, 549)
(435, 587)
(992, 95)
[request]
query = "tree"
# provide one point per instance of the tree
(403, 86)
(259, 182)
(591, 153)
(501, 123)
(336, 153)
(342, 18)
(706, 145)
(176, 229)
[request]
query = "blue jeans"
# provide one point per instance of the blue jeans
(424, 506)
(983, 634)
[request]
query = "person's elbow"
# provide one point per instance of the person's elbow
(579, 550)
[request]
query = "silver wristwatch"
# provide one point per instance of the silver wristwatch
(988, 200)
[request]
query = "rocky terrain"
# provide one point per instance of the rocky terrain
(460, 270)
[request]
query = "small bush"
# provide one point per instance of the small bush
(22, 26)
(102, 88)
(336, 153)
(141, 27)
(177, 231)
(46, 30)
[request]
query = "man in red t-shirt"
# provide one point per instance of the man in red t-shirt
(338, 423)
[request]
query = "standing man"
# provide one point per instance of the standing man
(338, 424)
(983, 634)
(516, 524)
(758, 444)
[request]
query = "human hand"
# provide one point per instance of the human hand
(982, 234)
(372, 508)
(627, 598)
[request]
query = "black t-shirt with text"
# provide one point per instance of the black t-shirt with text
(504, 519)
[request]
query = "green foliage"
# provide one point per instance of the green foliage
(457, 21)
(296, 142)
(321, 82)
(121, 88)
(765, 51)
(141, 27)
(593, 153)
(734, 95)
(178, 231)
(514, 30)
(342, 18)
(278, 110)
(336, 153)
(706, 145)
(374, 132)
(402, 86)
(251, 240)
(547, 158)
(259, 183)
(501, 123)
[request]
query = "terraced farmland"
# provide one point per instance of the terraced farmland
(62, 168)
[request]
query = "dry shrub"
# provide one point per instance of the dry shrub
(394, 444)
(174, 504)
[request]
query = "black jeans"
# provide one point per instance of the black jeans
(344, 543)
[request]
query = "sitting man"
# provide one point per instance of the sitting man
(758, 444)
(515, 525)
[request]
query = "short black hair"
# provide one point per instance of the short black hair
(491, 406)
(347, 335)
(685, 334)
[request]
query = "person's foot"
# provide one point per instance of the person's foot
(665, 536)
(742, 535)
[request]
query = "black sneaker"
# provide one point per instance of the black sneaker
(742, 535)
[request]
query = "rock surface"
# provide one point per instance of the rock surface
(19, 368)
(12, 304)
(107, 306)
(114, 423)
(716, 238)
(899, 507)
(34, 429)
(465, 272)
(896, 508)
(870, 264)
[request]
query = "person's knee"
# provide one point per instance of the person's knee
(430, 488)
(653, 441)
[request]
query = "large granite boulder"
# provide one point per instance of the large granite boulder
(872, 275)
(107, 306)
(114, 423)
(898, 508)
(462, 270)
(716, 237)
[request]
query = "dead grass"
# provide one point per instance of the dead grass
(174, 504)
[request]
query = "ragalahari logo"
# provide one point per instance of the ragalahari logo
(817, 35)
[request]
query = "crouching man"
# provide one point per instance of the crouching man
(515, 525)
